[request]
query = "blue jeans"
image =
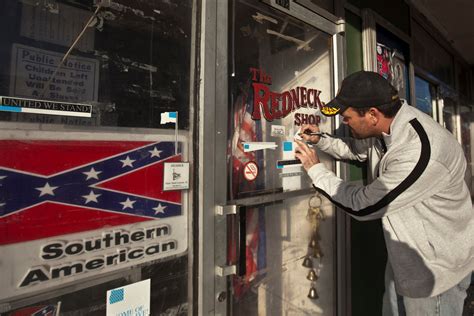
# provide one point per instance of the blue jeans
(448, 303)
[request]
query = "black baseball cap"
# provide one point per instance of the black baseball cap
(359, 90)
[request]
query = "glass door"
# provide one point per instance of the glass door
(281, 237)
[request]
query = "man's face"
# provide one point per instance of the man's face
(360, 126)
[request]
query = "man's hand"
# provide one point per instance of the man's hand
(305, 131)
(306, 155)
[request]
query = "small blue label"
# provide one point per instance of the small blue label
(116, 296)
(172, 114)
(287, 146)
(246, 146)
(10, 108)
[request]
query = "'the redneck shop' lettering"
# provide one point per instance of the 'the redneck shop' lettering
(276, 105)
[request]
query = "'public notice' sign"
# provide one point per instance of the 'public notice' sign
(38, 73)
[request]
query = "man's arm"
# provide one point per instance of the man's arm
(404, 183)
(340, 148)
(345, 148)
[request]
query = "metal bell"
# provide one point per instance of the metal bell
(313, 294)
(312, 276)
(307, 262)
(317, 253)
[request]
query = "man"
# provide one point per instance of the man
(418, 191)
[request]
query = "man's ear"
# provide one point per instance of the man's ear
(374, 115)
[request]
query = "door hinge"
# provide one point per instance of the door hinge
(226, 270)
(227, 209)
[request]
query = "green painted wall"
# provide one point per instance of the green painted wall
(354, 63)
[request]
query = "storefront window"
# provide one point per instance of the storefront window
(88, 90)
(392, 61)
(130, 63)
(425, 95)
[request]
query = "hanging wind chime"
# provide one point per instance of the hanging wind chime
(314, 217)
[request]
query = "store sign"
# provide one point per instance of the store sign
(108, 249)
(276, 105)
(21, 105)
(37, 74)
(74, 209)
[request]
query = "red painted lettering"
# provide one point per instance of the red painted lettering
(260, 100)
(317, 101)
(304, 118)
(303, 97)
(254, 72)
(301, 118)
(275, 98)
(296, 99)
(274, 105)
(286, 103)
(310, 104)
(297, 119)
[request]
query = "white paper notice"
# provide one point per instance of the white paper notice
(278, 131)
(254, 146)
(176, 176)
(133, 300)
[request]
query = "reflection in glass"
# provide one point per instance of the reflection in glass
(424, 95)
(449, 117)
(116, 59)
(466, 116)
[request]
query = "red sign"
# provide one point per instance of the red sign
(276, 105)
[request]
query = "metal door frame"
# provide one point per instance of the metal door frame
(212, 107)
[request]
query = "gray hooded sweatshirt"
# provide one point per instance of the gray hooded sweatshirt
(420, 194)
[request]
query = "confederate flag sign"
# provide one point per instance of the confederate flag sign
(71, 209)
(50, 188)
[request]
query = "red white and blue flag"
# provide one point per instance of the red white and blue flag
(245, 129)
(46, 310)
(52, 188)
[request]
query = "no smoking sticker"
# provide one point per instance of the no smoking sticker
(250, 171)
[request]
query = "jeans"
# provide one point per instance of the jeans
(448, 303)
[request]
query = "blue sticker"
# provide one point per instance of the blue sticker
(287, 146)
(10, 108)
(246, 146)
(116, 296)
(173, 114)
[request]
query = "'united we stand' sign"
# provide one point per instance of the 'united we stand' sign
(75, 208)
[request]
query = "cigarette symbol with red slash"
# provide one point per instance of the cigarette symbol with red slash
(250, 170)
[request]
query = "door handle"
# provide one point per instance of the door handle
(240, 213)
